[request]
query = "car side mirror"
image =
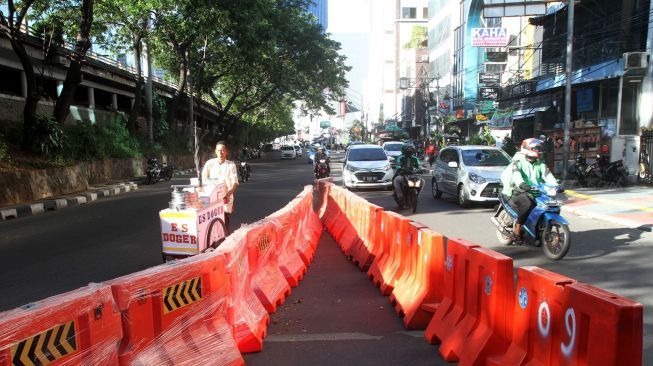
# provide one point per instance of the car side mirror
(453, 164)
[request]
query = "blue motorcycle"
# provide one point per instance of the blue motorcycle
(544, 226)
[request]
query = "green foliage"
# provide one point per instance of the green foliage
(85, 141)
(4, 150)
(509, 146)
(47, 136)
(475, 140)
(418, 38)
(486, 134)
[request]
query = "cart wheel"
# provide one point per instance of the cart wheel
(217, 233)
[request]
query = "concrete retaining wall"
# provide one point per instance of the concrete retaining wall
(32, 185)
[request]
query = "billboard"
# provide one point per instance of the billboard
(490, 37)
(489, 93)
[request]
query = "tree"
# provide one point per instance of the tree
(10, 28)
(76, 57)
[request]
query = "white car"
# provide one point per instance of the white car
(471, 173)
(288, 152)
(393, 148)
(298, 150)
(367, 166)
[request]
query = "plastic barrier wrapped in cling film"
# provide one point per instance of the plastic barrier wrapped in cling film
(246, 314)
(77, 327)
(176, 314)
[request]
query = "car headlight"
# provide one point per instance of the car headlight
(476, 178)
(387, 167)
(351, 168)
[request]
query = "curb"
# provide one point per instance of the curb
(607, 218)
(67, 201)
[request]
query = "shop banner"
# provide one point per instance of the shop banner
(501, 120)
(490, 37)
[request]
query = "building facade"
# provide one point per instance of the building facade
(320, 8)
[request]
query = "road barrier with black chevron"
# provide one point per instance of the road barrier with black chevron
(206, 308)
(464, 297)
(213, 305)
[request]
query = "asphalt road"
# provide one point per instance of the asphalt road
(336, 311)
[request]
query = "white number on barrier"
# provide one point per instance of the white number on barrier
(544, 318)
(570, 324)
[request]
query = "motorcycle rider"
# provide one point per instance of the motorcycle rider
(319, 155)
(406, 163)
(525, 171)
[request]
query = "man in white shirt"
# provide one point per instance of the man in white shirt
(221, 170)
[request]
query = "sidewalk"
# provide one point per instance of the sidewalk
(631, 206)
(60, 202)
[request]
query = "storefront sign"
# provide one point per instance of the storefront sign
(325, 124)
(501, 120)
(490, 37)
(585, 100)
(489, 79)
(489, 93)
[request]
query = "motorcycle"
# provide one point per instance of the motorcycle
(156, 172)
(244, 171)
(644, 173)
(581, 171)
(612, 173)
(322, 169)
(412, 188)
(544, 226)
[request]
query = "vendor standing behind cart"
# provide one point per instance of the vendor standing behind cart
(221, 170)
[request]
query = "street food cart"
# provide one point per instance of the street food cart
(194, 221)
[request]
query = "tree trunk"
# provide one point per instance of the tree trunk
(33, 96)
(177, 97)
(74, 75)
(132, 123)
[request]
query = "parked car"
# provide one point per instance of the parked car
(288, 152)
(298, 150)
(393, 148)
(366, 166)
(471, 173)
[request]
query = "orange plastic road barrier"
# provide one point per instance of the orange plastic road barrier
(322, 193)
(372, 246)
(350, 238)
(487, 314)
(405, 280)
(342, 224)
(309, 227)
(80, 327)
(268, 281)
(360, 252)
(246, 314)
(176, 313)
(451, 309)
(428, 287)
(332, 211)
(599, 328)
(398, 253)
(288, 230)
(539, 305)
(384, 239)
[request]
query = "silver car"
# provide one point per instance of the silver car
(471, 173)
(366, 166)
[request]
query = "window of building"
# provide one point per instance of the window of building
(425, 13)
(409, 13)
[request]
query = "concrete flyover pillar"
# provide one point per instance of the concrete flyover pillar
(91, 97)
(114, 102)
(59, 87)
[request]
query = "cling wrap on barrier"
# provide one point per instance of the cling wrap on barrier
(246, 314)
(77, 327)
(176, 314)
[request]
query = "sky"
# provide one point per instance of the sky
(350, 24)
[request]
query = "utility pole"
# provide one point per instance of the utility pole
(569, 69)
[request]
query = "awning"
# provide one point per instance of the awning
(527, 113)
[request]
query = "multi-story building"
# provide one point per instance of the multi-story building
(320, 8)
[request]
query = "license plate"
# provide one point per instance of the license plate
(369, 179)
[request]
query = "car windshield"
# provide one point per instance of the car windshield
(393, 147)
(366, 155)
(287, 148)
(485, 157)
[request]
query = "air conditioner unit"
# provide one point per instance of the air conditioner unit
(635, 60)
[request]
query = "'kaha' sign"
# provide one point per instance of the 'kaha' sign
(490, 37)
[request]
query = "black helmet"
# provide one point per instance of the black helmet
(152, 161)
(409, 149)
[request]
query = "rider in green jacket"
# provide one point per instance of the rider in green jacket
(406, 163)
(522, 175)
